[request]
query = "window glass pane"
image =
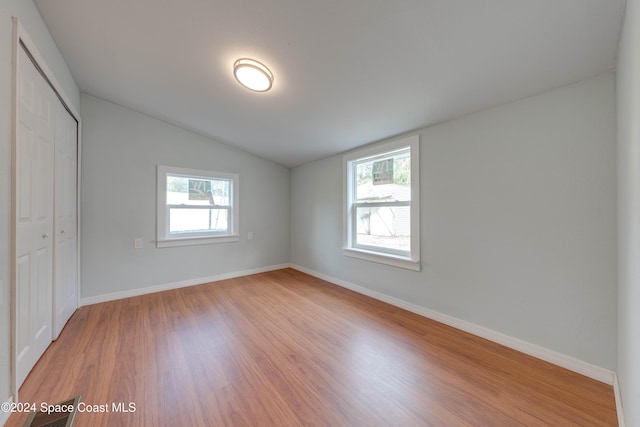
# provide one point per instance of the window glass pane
(384, 226)
(195, 191)
(198, 220)
(384, 179)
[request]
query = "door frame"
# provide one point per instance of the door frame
(21, 39)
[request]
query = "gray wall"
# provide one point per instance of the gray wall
(518, 222)
(37, 30)
(628, 86)
(120, 152)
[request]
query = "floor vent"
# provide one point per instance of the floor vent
(62, 415)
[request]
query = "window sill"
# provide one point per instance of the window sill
(190, 241)
(393, 260)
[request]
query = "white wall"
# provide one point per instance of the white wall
(37, 30)
(518, 222)
(628, 87)
(121, 149)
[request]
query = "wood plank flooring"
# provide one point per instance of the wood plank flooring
(286, 349)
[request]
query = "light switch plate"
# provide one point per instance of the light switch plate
(137, 243)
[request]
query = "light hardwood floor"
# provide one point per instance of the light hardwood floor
(286, 349)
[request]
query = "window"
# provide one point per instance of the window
(382, 202)
(196, 207)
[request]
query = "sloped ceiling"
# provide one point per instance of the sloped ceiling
(347, 72)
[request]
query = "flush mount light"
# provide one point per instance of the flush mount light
(253, 75)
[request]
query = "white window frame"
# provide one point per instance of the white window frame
(166, 239)
(409, 260)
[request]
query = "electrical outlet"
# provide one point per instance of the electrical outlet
(250, 235)
(137, 243)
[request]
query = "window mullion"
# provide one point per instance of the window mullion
(198, 207)
(381, 204)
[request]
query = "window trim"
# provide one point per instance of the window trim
(163, 239)
(369, 253)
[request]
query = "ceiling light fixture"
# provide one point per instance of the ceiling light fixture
(253, 75)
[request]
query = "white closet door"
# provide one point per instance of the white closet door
(65, 289)
(34, 215)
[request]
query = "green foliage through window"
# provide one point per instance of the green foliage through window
(401, 171)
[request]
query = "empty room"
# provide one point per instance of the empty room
(331, 213)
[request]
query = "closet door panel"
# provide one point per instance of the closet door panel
(65, 255)
(34, 215)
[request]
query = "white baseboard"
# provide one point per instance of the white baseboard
(175, 285)
(597, 373)
(618, 394)
(4, 415)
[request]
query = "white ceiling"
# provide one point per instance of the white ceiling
(347, 72)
